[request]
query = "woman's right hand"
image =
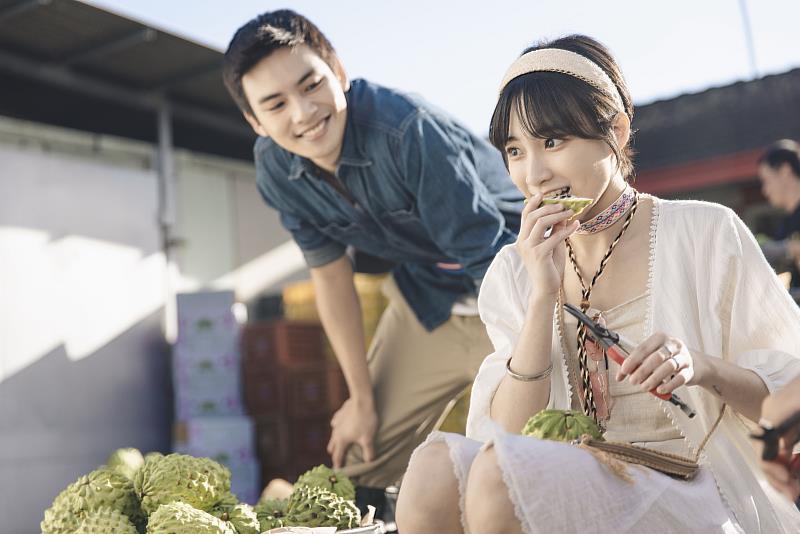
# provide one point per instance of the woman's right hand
(544, 258)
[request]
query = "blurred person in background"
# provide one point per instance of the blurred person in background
(350, 163)
(782, 471)
(779, 172)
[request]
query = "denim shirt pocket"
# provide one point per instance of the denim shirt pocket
(405, 230)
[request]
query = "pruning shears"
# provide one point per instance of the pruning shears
(610, 340)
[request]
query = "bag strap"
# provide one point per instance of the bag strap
(710, 432)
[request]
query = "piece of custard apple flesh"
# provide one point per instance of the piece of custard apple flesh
(101, 488)
(318, 507)
(240, 517)
(561, 425)
(271, 513)
(126, 461)
(199, 482)
(576, 204)
(106, 521)
(182, 518)
(325, 477)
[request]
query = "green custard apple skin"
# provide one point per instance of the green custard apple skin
(240, 517)
(199, 482)
(318, 507)
(101, 488)
(561, 425)
(271, 513)
(106, 521)
(325, 477)
(182, 518)
(227, 499)
(126, 461)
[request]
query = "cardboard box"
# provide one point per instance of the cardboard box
(213, 402)
(196, 372)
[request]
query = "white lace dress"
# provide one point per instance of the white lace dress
(560, 488)
(710, 286)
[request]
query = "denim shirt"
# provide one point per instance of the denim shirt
(424, 191)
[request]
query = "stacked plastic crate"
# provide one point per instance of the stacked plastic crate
(291, 390)
(292, 381)
(206, 370)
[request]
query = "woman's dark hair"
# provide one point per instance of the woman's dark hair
(261, 37)
(782, 152)
(552, 104)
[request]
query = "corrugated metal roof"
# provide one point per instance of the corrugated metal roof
(736, 118)
(66, 51)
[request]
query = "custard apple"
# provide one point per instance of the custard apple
(199, 482)
(561, 425)
(102, 488)
(240, 517)
(325, 477)
(271, 513)
(126, 461)
(319, 507)
(227, 499)
(106, 521)
(182, 518)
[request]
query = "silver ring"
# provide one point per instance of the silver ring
(675, 361)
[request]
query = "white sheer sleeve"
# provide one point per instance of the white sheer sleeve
(502, 311)
(760, 321)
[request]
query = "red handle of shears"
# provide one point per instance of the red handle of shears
(618, 355)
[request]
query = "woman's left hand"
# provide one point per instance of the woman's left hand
(662, 362)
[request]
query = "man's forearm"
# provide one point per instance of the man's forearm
(340, 312)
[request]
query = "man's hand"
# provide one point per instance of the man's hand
(354, 423)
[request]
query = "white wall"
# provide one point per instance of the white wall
(84, 366)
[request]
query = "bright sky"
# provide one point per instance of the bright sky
(454, 53)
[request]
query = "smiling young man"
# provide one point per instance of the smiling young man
(354, 164)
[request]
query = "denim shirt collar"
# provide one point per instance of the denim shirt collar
(350, 156)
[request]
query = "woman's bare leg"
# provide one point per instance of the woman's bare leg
(428, 500)
(488, 507)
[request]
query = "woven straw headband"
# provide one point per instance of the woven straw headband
(565, 62)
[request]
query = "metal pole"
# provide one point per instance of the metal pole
(166, 215)
(748, 36)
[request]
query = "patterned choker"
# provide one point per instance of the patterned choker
(610, 215)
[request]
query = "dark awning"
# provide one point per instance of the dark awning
(722, 121)
(71, 64)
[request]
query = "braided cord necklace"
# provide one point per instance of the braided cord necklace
(589, 407)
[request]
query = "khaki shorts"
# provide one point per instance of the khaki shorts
(415, 373)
